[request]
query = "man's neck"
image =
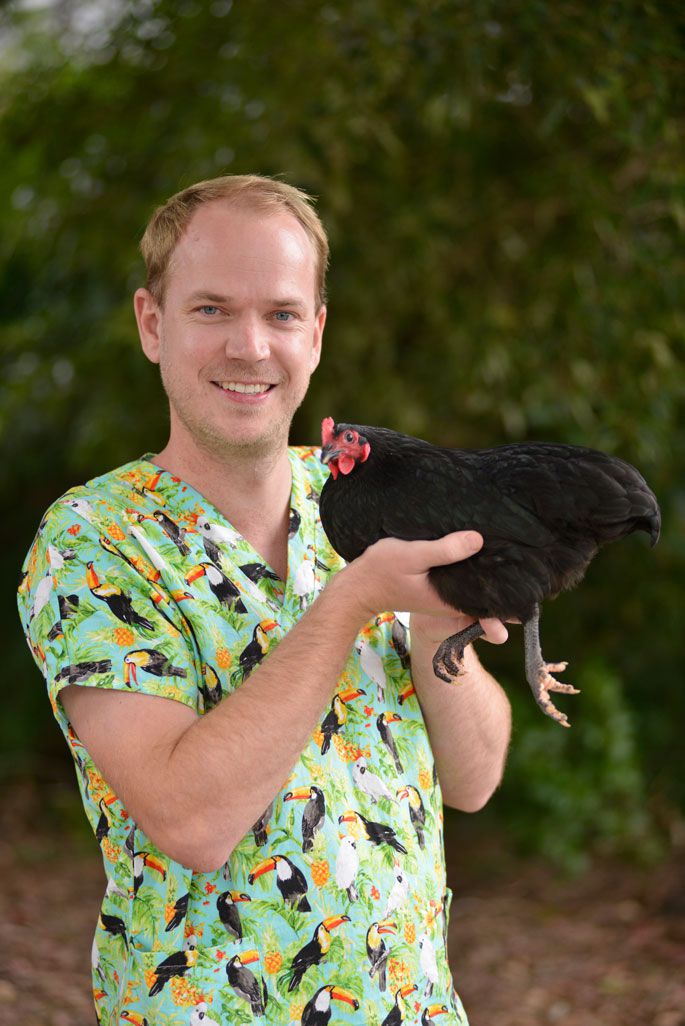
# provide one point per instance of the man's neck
(252, 492)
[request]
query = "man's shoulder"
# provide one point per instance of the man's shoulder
(92, 506)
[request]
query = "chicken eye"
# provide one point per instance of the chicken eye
(349, 436)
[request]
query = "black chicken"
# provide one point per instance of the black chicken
(543, 510)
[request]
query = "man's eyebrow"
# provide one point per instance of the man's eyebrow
(215, 297)
(210, 297)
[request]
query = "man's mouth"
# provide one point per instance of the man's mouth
(246, 389)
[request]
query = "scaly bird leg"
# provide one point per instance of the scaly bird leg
(539, 673)
(448, 660)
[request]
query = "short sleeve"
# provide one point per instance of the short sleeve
(94, 616)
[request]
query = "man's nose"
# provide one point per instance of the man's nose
(247, 339)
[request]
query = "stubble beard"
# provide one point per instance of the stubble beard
(183, 408)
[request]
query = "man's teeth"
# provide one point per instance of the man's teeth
(237, 386)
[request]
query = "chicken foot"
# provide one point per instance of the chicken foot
(449, 658)
(539, 673)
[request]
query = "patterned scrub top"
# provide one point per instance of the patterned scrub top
(334, 907)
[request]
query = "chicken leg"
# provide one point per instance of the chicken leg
(539, 673)
(449, 658)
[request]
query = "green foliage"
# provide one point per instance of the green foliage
(503, 187)
(580, 790)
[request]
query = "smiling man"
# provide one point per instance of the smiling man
(220, 677)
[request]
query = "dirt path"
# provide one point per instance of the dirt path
(527, 948)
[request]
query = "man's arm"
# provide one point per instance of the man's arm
(197, 785)
(469, 721)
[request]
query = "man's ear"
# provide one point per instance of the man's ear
(148, 318)
(319, 323)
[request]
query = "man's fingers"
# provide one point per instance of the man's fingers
(452, 548)
(495, 631)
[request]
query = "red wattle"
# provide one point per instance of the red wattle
(346, 464)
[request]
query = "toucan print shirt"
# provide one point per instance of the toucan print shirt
(334, 907)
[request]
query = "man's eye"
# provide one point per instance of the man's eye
(283, 315)
(209, 310)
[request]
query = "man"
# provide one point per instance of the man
(261, 856)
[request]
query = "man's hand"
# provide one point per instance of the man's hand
(393, 574)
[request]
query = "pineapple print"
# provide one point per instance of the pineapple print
(123, 636)
(320, 872)
(184, 993)
(425, 777)
(223, 658)
(273, 960)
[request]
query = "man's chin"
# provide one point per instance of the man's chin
(243, 443)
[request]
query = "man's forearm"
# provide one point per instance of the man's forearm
(469, 724)
(227, 767)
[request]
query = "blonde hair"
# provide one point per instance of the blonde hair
(168, 223)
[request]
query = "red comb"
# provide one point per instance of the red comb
(327, 430)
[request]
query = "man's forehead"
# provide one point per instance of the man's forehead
(222, 236)
(226, 225)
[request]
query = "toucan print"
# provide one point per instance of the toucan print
(119, 603)
(143, 860)
(417, 812)
(134, 1017)
(396, 1015)
(179, 913)
(141, 566)
(290, 880)
(173, 531)
(314, 812)
(244, 982)
(254, 652)
(377, 833)
(335, 718)
(383, 724)
(76, 672)
(294, 523)
(210, 686)
(229, 914)
(151, 660)
(429, 1013)
(399, 640)
(115, 926)
(377, 950)
(104, 823)
(177, 964)
(317, 1011)
(258, 571)
(260, 828)
(314, 950)
(221, 588)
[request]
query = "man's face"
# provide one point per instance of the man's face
(239, 312)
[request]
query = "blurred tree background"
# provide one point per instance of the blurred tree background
(504, 188)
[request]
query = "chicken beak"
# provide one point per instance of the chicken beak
(328, 453)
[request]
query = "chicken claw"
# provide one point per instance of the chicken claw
(539, 673)
(544, 684)
(448, 661)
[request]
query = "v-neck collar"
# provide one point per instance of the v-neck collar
(302, 584)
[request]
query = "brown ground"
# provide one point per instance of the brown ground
(528, 948)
